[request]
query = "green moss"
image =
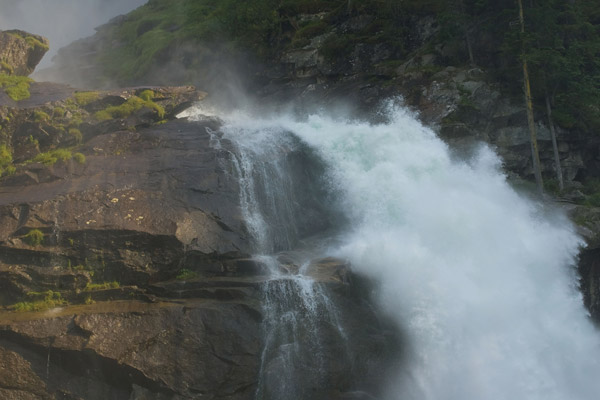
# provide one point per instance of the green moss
(102, 286)
(147, 95)
(33, 42)
(40, 116)
(40, 301)
(59, 112)
(186, 274)
(33, 141)
(75, 121)
(8, 171)
(132, 105)
(85, 98)
(5, 156)
(103, 115)
(6, 67)
(76, 133)
(52, 157)
(16, 87)
(34, 237)
(80, 158)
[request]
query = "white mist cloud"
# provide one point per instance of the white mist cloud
(61, 21)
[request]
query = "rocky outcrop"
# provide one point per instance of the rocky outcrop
(20, 52)
(125, 272)
(204, 338)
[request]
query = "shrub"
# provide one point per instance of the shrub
(40, 301)
(132, 105)
(16, 87)
(147, 95)
(10, 170)
(102, 286)
(59, 112)
(53, 156)
(85, 98)
(80, 158)
(40, 116)
(76, 133)
(34, 237)
(186, 274)
(5, 156)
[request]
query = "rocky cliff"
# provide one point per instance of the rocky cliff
(125, 267)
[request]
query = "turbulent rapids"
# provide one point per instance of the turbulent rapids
(479, 278)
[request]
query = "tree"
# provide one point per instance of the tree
(530, 120)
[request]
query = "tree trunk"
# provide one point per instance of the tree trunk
(466, 29)
(559, 175)
(535, 155)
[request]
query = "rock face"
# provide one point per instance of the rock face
(134, 259)
(20, 52)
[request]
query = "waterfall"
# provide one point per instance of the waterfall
(479, 277)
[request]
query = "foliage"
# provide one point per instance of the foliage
(147, 95)
(5, 156)
(6, 67)
(16, 87)
(33, 42)
(52, 157)
(76, 133)
(34, 237)
(186, 274)
(41, 301)
(79, 157)
(59, 112)
(85, 98)
(40, 116)
(132, 105)
(102, 286)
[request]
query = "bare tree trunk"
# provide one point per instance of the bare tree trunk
(466, 29)
(559, 175)
(535, 155)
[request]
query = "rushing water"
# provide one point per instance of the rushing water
(480, 278)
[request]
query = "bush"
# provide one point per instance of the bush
(132, 105)
(34, 237)
(53, 156)
(186, 274)
(5, 156)
(76, 133)
(40, 116)
(16, 87)
(85, 98)
(80, 158)
(147, 95)
(40, 301)
(102, 286)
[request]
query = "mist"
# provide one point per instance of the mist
(61, 21)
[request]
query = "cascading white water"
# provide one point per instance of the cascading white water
(479, 277)
(296, 308)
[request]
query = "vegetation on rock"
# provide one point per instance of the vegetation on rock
(16, 87)
(132, 105)
(53, 156)
(34, 237)
(40, 301)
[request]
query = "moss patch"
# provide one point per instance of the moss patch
(16, 87)
(40, 301)
(85, 98)
(34, 237)
(52, 157)
(102, 286)
(132, 105)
